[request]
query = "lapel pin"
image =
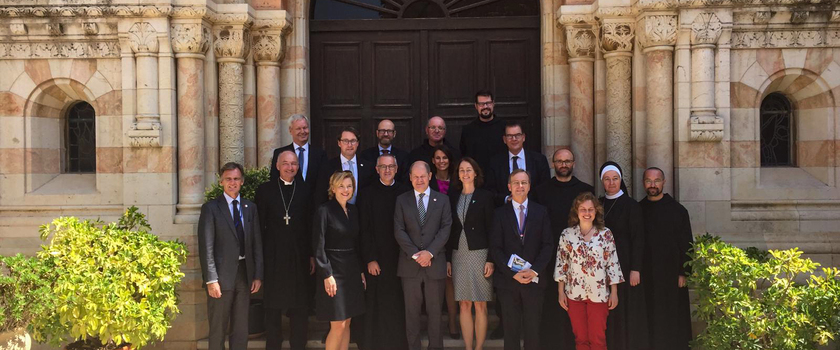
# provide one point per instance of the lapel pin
(434, 200)
(473, 201)
(246, 205)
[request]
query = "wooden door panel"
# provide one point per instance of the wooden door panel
(393, 75)
(342, 73)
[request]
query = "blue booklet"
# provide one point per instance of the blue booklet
(516, 263)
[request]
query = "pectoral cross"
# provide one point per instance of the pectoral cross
(287, 218)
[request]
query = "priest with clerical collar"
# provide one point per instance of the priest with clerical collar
(669, 237)
(384, 320)
(284, 210)
(558, 194)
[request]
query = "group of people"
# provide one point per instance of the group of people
(384, 231)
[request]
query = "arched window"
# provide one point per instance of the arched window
(377, 9)
(777, 139)
(80, 139)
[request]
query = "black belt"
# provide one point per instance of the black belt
(339, 250)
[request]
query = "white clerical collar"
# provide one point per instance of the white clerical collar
(387, 185)
(287, 183)
(616, 195)
(345, 160)
(520, 155)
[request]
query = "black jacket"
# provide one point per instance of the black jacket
(497, 176)
(366, 174)
(476, 223)
(315, 159)
(371, 154)
(536, 248)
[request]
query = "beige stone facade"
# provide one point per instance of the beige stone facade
(182, 86)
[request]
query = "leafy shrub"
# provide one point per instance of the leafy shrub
(114, 283)
(253, 179)
(752, 304)
(25, 290)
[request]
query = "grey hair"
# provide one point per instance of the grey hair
(386, 155)
(296, 117)
(428, 168)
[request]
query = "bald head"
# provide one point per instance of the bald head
(287, 164)
(436, 130)
(420, 173)
(564, 164)
(385, 133)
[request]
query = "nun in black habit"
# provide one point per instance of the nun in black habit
(627, 326)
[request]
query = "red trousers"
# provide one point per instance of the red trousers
(589, 323)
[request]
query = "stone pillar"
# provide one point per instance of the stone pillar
(269, 50)
(658, 37)
(580, 43)
(706, 125)
(231, 45)
(190, 42)
(617, 43)
(250, 111)
(145, 131)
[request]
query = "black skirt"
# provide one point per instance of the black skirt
(349, 299)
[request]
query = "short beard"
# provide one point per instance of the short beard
(560, 172)
(385, 142)
(653, 192)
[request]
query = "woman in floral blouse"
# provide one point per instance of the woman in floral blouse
(587, 272)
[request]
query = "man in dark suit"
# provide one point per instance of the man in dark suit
(363, 171)
(385, 133)
(311, 158)
(422, 220)
(516, 157)
(524, 229)
(231, 257)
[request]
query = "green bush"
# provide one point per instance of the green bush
(25, 290)
(114, 283)
(253, 179)
(751, 304)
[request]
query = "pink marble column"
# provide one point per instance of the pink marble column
(268, 111)
(250, 98)
(660, 111)
(617, 41)
(580, 42)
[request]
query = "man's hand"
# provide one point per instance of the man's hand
(311, 266)
(214, 290)
(255, 286)
(681, 281)
(488, 269)
(525, 276)
(373, 268)
(635, 278)
(424, 258)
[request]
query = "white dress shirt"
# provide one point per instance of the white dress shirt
(354, 170)
(520, 161)
(516, 209)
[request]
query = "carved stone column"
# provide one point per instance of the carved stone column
(145, 131)
(617, 43)
(269, 50)
(231, 45)
(190, 42)
(658, 37)
(581, 42)
(706, 125)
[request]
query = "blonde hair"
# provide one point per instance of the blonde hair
(574, 220)
(336, 179)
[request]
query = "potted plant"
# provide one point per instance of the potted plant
(753, 300)
(25, 290)
(114, 284)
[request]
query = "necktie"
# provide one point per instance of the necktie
(515, 160)
(356, 178)
(237, 223)
(302, 162)
(421, 209)
(386, 151)
(521, 222)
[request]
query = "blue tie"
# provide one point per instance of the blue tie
(302, 162)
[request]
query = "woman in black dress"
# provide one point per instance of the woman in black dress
(627, 323)
(335, 235)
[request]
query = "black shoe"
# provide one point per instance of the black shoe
(455, 335)
(498, 333)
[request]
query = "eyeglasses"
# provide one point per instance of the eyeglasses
(514, 136)
(657, 181)
(484, 104)
(520, 183)
(437, 128)
(349, 142)
(564, 162)
(386, 131)
(387, 167)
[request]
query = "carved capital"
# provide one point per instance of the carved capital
(191, 38)
(144, 134)
(658, 30)
(189, 12)
(268, 47)
(706, 128)
(143, 38)
(231, 41)
(581, 41)
(658, 4)
(706, 29)
(617, 36)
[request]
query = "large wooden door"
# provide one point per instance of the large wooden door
(408, 70)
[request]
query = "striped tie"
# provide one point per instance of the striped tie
(421, 209)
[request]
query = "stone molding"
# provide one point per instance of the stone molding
(145, 135)
(658, 4)
(60, 49)
(190, 38)
(706, 128)
(86, 11)
(617, 36)
(143, 38)
(706, 29)
(581, 41)
(785, 38)
(658, 30)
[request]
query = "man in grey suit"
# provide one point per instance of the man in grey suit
(230, 252)
(422, 219)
